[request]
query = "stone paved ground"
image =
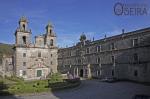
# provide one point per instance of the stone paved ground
(93, 89)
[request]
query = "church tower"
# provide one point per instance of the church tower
(50, 38)
(23, 34)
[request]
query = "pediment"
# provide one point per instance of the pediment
(38, 65)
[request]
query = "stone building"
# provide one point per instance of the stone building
(34, 60)
(6, 65)
(124, 56)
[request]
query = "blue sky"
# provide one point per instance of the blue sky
(70, 18)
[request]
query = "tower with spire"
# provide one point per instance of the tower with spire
(50, 37)
(23, 34)
(34, 60)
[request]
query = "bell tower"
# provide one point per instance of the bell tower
(23, 24)
(50, 36)
(23, 34)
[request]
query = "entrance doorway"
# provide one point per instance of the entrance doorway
(112, 72)
(39, 73)
(81, 73)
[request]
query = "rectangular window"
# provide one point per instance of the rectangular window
(98, 72)
(24, 54)
(69, 62)
(23, 73)
(136, 57)
(135, 73)
(87, 50)
(145, 69)
(79, 61)
(112, 46)
(98, 60)
(39, 54)
(20, 72)
(0, 61)
(70, 53)
(24, 63)
(51, 42)
(98, 48)
(113, 59)
(51, 63)
(51, 55)
(135, 42)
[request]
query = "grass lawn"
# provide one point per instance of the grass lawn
(14, 85)
(29, 87)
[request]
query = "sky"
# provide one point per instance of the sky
(70, 18)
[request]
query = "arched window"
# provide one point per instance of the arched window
(50, 31)
(24, 27)
(52, 42)
(24, 39)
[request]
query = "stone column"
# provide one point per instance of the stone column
(89, 71)
(77, 72)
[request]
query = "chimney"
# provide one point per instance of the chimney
(93, 38)
(122, 31)
(105, 35)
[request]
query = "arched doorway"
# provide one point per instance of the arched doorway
(81, 72)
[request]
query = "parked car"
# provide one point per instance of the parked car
(109, 79)
(141, 97)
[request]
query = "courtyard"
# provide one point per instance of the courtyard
(92, 89)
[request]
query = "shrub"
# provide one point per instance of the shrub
(56, 77)
(14, 78)
(73, 80)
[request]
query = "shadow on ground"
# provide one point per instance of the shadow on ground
(5, 94)
(94, 89)
(74, 92)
